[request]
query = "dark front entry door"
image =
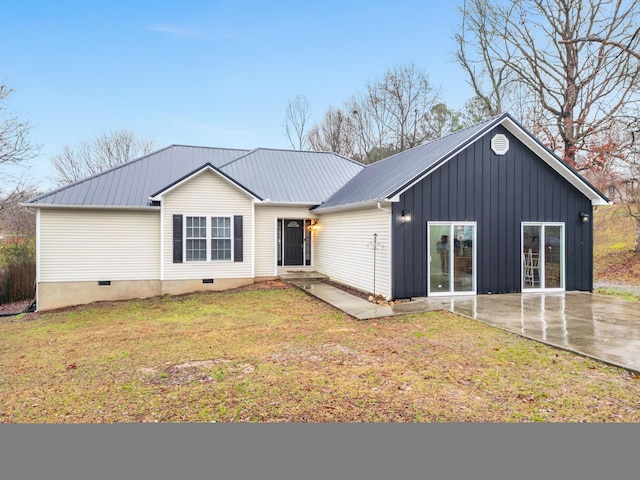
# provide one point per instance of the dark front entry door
(293, 242)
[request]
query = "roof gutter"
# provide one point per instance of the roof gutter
(90, 207)
(365, 204)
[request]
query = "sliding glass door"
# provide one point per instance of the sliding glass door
(542, 256)
(451, 254)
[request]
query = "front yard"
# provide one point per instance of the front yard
(278, 355)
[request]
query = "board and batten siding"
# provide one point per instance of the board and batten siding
(90, 245)
(344, 249)
(209, 195)
(499, 193)
(266, 235)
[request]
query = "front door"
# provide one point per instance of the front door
(293, 242)
(451, 254)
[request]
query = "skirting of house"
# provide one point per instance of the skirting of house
(178, 287)
(53, 295)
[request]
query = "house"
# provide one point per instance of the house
(485, 209)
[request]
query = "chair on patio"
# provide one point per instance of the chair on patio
(531, 268)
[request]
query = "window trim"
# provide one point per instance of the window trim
(186, 237)
(212, 238)
(208, 238)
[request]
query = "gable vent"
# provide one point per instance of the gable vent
(500, 144)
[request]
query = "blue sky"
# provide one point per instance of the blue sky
(215, 73)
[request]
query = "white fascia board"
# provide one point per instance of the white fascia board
(89, 207)
(206, 168)
(555, 163)
(536, 148)
(270, 203)
(357, 205)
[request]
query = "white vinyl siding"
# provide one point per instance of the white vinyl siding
(208, 195)
(266, 235)
(90, 245)
(344, 249)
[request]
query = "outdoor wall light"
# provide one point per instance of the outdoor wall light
(584, 217)
(406, 215)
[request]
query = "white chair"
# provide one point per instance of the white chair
(531, 268)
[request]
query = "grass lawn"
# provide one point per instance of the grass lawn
(613, 238)
(279, 355)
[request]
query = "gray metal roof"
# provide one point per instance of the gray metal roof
(384, 179)
(277, 175)
(131, 184)
(390, 177)
(290, 176)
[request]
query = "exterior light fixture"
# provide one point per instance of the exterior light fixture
(406, 215)
(313, 226)
(584, 217)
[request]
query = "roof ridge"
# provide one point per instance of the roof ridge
(288, 150)
(239, 157)
(208, 147)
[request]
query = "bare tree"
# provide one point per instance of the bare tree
(441, 121)
(16, 149)
(480, 54)
(390, 116)
(581, 87)
(18, 226)
(629, 48)
(295, 122)
(107, 150)
(622, 177)
(334, 134)
(405, 97)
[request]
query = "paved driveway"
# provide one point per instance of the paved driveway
(594, 325)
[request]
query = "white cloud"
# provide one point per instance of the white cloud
(178, 31)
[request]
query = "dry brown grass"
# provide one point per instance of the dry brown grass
(614, 260)
(278, 355)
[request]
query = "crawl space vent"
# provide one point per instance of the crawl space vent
(500, 144)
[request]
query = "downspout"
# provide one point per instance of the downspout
(387, 211)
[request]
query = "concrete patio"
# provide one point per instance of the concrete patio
(597, 326)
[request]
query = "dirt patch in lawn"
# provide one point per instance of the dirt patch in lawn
(264, 285)
(201, 371)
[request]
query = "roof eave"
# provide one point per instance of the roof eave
(348, 206)
(157, 196)
(551, 159)
(69, 206)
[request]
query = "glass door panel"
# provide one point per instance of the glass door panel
(552, 256)
(542, 256)
(440, 259)
(451, 258)
(463, 258)
(531, 256)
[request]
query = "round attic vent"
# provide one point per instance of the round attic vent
(500, 144)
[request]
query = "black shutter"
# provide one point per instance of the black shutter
(237, 238)
(177, 239)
